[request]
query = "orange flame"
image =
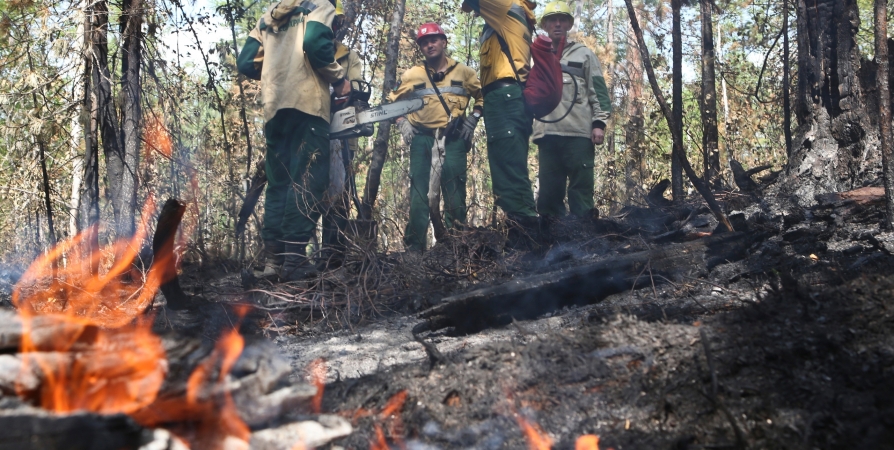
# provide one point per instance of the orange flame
(379, 443)
(157, 137)
(212, 409)
(317, 372)
(85, 332)
(537, 439)
(587, 442)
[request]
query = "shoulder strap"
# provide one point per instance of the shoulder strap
(505, 47)
(438, 92)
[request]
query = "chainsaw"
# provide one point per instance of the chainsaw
(353, 120)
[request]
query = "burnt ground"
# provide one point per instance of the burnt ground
(789, 344)
(800, 333)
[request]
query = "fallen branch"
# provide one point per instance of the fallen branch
(527, 298)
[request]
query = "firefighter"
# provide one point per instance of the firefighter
(441, 122)
(291, 51)
(336, 216)
(567, 147)
(507, 122)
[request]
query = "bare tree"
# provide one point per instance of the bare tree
(881, 58)
(124, 187)
(709, 99)
(380, 145)
(700, 185)
(677, 98)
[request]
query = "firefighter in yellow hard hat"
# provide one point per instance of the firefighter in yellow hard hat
(567, 147)
(441, 125)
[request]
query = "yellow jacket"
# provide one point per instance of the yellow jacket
(350, 60)
(460, 84)
(514, 20)
(290, 50)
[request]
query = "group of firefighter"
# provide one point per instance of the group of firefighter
(302, 67)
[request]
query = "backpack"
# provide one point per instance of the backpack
(543, 90)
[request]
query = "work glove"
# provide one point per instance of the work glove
(407, 130)
(468, 128)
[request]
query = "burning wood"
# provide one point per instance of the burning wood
(84, 342)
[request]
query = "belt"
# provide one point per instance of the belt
(501, 83)
(430, 131)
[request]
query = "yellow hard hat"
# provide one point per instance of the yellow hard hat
(554, 8)
(339, 8)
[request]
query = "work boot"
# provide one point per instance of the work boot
(523, 233)
(297, 266)
(273, 259)
(547, 226)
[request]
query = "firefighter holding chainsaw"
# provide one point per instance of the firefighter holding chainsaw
(566, 137)
(440, 127)
(505, 64)
(291, 51)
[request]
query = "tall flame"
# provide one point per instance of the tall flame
(85, 332)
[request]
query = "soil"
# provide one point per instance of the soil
(800, 334)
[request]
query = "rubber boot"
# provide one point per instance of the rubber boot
(273, 259)
(297, 266)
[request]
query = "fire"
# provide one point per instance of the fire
(537, 439)
(86, 331)
(157, 137)
(317, 372)
(587, 442)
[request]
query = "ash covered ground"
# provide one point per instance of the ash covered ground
(788, 344)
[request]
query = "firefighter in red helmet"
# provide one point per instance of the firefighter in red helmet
(442, 127)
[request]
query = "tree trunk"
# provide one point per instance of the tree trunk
(709, 100)
(633, 130)
(786, 83)
(677, 99)
(380, 145)
(700, 185)
(103, 113)
(131, 126)
(881, 57)
(835, 146)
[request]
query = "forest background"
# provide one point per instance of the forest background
(92, 89)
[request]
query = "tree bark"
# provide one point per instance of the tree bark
(677, 99)
(835, 146)
(700, 186)
(633, 129)
(881, 58)
(131, 126)
(786, 83)
(709, 99)
(380, 145)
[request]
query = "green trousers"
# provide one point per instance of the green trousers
(508, 128)
(453, 187)
(565, 161)
(297, 175)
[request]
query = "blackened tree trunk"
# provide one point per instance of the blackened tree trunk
(380, 145)
(677, 99)
(835, 146)
(709, 99)
(131, 127)
(786, 83)
(88, 210)
(881, 58)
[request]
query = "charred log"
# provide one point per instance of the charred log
(533, 296)
(163, 253)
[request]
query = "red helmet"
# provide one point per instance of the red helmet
(430, 29)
